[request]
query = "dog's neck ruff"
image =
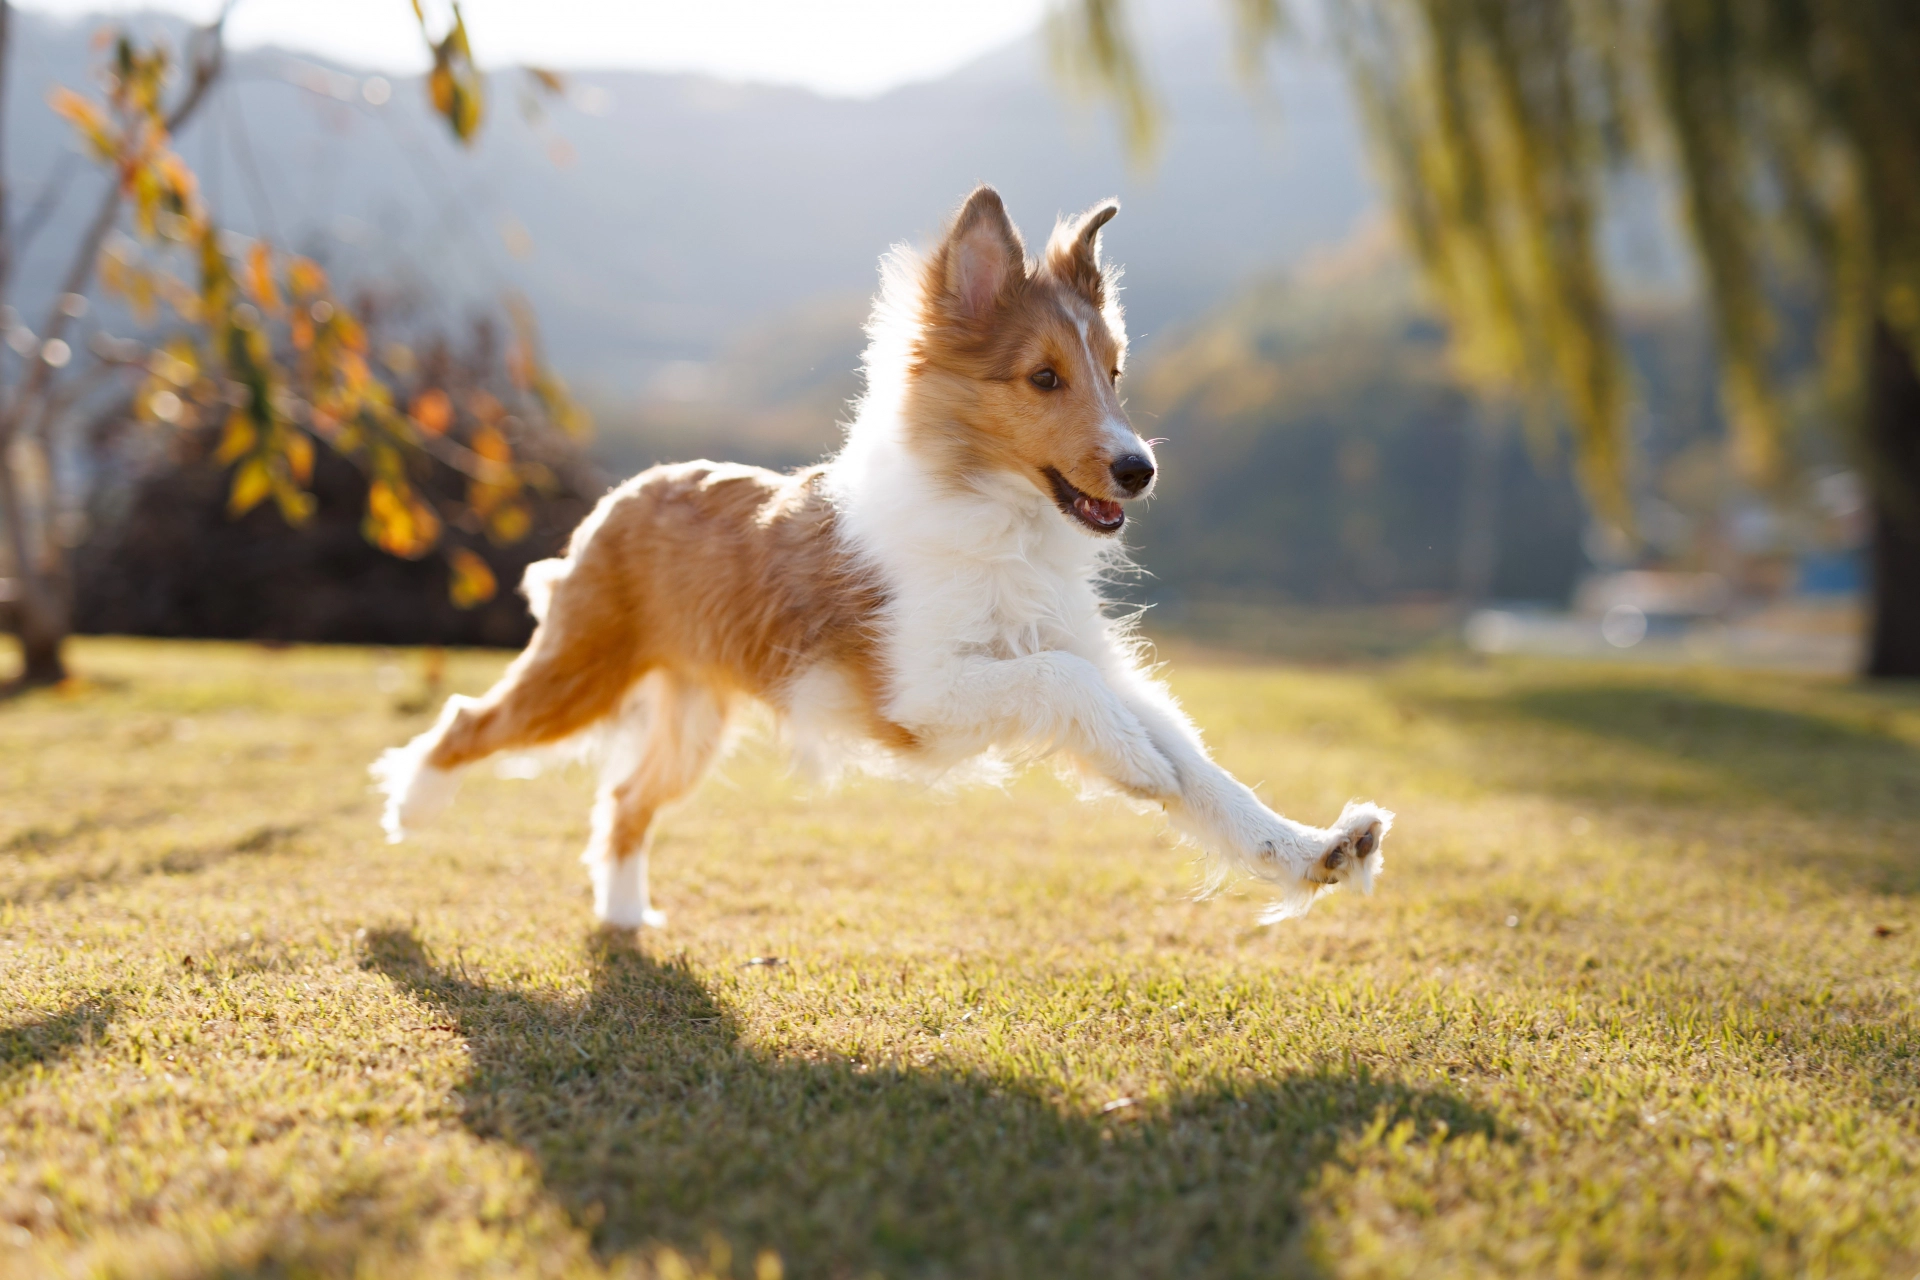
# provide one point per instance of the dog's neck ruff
(982, 564)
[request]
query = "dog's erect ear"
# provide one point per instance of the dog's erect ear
(1073, 251)
(981, 257)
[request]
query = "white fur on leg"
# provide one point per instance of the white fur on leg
(620, 892)
(1225, 818)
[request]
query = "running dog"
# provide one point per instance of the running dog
(927, 602)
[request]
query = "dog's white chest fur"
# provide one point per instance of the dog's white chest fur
(972, 575)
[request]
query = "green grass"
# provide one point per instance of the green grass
(1636, 997)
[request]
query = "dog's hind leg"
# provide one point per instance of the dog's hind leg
(582, 659)
(678, 728)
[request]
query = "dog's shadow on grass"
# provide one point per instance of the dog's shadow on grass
(654, 1124)
(36, 1041)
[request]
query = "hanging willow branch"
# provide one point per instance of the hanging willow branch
(1794, 126)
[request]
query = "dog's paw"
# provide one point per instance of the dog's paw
(620, 899)
(1352, 852)
(623, 917)
(1346, 853)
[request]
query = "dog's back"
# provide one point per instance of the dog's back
(730, 572)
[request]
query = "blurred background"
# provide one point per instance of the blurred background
(323, 324)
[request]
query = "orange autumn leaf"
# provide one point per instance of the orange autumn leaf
(305, 277)
(88, 118)
(433, 411)
(259, 278)
(398, 522)
(491, 445)
(299, 454)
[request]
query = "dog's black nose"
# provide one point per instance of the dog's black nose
(1132, 473)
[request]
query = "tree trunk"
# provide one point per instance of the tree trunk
(43, 604)
(1893, 480)
(44, 627)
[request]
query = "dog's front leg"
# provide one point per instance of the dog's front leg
(1047, 700)
(1227, 819)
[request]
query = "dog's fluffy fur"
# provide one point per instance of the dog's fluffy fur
(927, 601)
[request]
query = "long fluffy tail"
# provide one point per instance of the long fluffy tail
(416, 792)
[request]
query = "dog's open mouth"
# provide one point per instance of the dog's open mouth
(1102, 515)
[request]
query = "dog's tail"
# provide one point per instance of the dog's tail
(416, 791)
(574, 673)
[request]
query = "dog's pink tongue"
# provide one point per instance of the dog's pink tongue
(1100, 510)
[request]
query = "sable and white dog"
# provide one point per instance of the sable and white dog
(927, 600)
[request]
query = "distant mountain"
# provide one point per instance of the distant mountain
(682, 211)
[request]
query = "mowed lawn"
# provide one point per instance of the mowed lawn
(1637, 996)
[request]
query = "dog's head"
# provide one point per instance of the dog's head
(1017, 364)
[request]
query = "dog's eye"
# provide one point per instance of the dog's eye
(1116, 375)
(1046, 380)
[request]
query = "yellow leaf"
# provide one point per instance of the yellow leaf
(144, 189)
(426, 530)
(354, 376)
(305, 277)
(296, 504)
(237, 441)
(471, 582)
(177, 178)
(251, 483)
(348, 331)
(509, 524)
(177, 362)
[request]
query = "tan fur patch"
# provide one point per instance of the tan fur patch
(731, 577)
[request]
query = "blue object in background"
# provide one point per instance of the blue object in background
(1832, 573)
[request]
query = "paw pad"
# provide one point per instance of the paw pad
(1352, 850)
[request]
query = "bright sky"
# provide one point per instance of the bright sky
(852, 47)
